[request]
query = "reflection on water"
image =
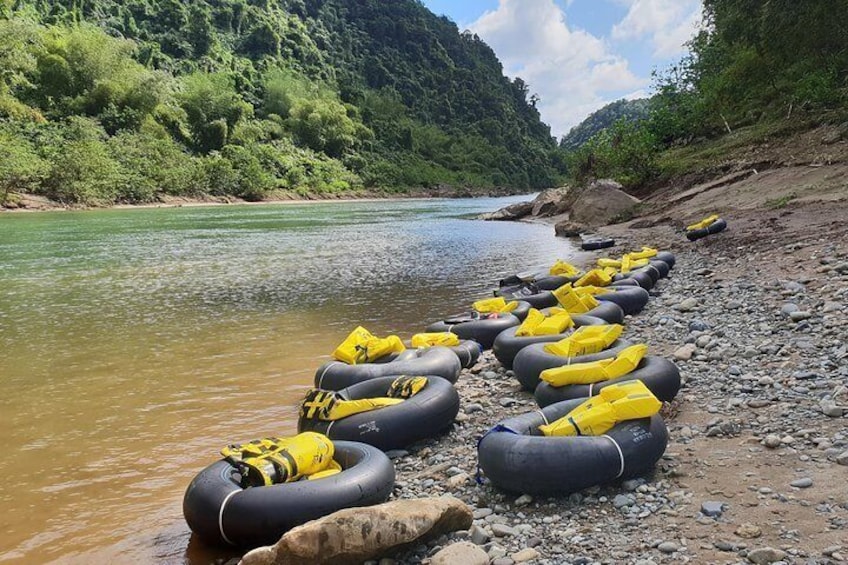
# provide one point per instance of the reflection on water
(136, 343)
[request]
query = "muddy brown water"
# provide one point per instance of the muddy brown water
(137, 343)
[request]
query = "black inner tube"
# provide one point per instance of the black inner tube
(438, 361)
(661, 376)
(515, 456)
(529, 293)
(507, 344)
(533, 359)
(220, 512)
(424, 415)
(666, 257)
(483, 330)
(631, 299)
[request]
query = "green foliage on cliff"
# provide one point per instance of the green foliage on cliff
(759, 65)
(106, 101)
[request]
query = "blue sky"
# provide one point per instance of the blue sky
(579, 55)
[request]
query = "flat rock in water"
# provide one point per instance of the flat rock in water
(512, 212)
(355, 535)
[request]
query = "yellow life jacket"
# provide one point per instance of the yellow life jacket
(275, 460)
(591, 290)
(537, 323)
(445, 339)
(406, 387)
(564, 269)
(626, 265)
(494, 305)
(574, 301)
(328, 405)
(595, 277)
(596, 371)
(645, 253)
(703, 223)
(596, 416)
(333, 469)
(361, 346)
(604, 262)
(586, 340)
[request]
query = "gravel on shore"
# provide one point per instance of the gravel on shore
(756, 467)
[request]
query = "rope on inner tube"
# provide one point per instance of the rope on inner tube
(620, 455)
(324, 372)
(221, 517)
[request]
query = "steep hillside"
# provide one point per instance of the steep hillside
(147, 98)
(765, 85)
(603, 119)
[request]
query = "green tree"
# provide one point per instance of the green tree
(212, 107)
(21, 168)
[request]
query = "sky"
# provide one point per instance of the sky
(578, 55)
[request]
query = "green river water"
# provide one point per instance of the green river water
(137, 343)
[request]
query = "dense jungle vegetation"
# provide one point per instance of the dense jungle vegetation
(105, 101)
(763, 68)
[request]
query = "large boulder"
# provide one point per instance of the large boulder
(355, 535)
(510, 213)
(568, 228)
(600, 202)
(550, 202)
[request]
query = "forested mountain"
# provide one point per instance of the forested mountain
(776, 66)
(629, 110)
(106, 100)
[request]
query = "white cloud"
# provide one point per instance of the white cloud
(574, 72)
(668, 23)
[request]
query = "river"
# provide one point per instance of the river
(137, 343)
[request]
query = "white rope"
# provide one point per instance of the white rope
(620, 455)
(544, 417)
(324, 372)
(221, 517)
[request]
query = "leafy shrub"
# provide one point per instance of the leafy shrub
(21, 168)
(83, 170)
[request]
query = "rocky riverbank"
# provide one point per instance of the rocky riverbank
(756, 467)
(35, 203)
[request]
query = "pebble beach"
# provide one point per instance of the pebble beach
(757, 461)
